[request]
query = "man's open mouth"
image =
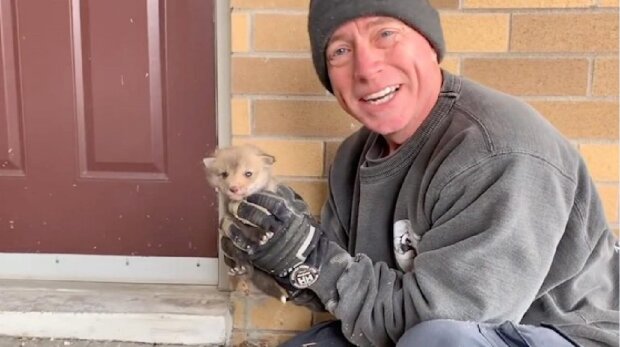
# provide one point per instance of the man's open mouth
(382, 96)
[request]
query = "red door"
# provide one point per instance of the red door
(107, 109)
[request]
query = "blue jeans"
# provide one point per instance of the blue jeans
(446, 333)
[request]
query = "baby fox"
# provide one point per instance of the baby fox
(237, 172)
(240, 171)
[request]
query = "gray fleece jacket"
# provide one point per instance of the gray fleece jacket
(486, 214)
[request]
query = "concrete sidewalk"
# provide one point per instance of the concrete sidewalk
(7, 341)
(47, 313)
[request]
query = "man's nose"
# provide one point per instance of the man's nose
(368, 62)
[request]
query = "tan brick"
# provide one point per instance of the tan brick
(238, 338)
(240, 32)
(240, 116)
(313, 192)
(530, 76)
(566, 32)
(602, 161)
(302, 118)
(582, 119)
(275, 76)
(476, 32)
(238, 308)
(605, 82)
(303, 4)
(281, 33)
(240, 284)
(451, 64)
(269, 313)
(296, 4)
(609, 196)
(526, 3)
(445, 4)
(608, 3)
(293, 158)
(330, 152)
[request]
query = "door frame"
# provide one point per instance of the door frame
(138, 269)
(223, 115)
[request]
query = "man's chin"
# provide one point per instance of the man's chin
(387, 131)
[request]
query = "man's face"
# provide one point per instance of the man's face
(384, 74)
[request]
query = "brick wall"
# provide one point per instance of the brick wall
(559, 55)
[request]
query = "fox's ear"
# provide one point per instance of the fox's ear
(208, 162)
(268, 159)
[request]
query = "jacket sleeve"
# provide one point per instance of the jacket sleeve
(494, 228)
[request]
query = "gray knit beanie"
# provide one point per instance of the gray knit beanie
(325, 16)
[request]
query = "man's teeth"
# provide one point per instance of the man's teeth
(381, 96)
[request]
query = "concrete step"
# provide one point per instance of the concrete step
(161, 314)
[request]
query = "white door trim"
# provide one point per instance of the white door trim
(223, 95)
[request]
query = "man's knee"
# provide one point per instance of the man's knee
(442, 333)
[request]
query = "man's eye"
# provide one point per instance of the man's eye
(248, 174)
(338, 52)
(386, 38)
(387, 33)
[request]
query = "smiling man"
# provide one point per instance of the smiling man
(457, 215)
(384, 74)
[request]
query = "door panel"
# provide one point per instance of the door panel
(119, 76)
(108, 108)
(121, 60)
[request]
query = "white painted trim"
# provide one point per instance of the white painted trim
(224, 121)
(223, 52)
(109, 268)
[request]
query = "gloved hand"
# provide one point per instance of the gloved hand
(260, 279)
(294, 252)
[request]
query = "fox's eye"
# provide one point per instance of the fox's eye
(224, 174)
(248, 174)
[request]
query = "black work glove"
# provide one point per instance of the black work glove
(294, 252)
(301, 297)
